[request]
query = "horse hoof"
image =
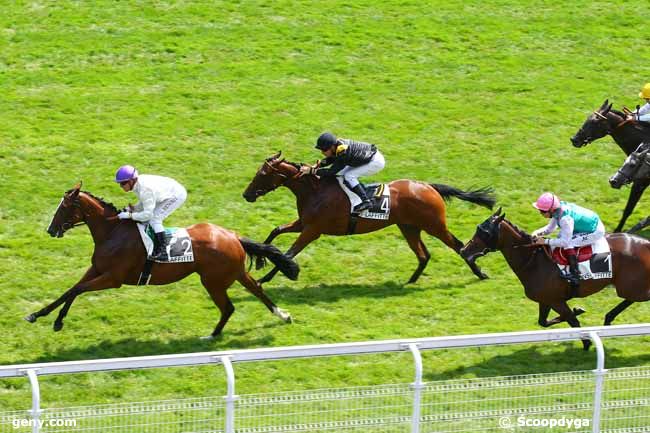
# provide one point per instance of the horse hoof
(57, 326)
(31, 318)
(578, 311)
(483, 276)
(207, 338)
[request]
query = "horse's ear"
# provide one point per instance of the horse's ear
(602, 107)
(501, 218)
(498, 212)
(609, 107)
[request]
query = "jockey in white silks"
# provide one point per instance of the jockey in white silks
(349, 159)
(158, 197)
(578, 227)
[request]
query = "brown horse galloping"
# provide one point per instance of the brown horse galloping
(541, 277)
(323, 208)
(119, 257)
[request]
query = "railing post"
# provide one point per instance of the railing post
(599, 373)
(417, 386)
(36, 400)
(230, 396)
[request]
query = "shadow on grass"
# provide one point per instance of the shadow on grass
(327, 293)
(130, 347)
(531, 361)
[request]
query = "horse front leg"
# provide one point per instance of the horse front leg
(567, 314)
(645, 222)
(293, 227)
(103, 281)
(89, 275)
(635, 194)
(544, 311)
(306, 237)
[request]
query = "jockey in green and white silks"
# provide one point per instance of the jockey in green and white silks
(578, 227)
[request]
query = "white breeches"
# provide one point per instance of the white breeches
(582, 239)
(352, 174)
(164, 209)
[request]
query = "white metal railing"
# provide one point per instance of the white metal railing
(415, 346)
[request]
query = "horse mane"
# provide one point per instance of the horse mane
(528, 238)
(618, 113)
(101, 201)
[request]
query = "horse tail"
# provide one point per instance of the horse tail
(285, 264)
(482, 196)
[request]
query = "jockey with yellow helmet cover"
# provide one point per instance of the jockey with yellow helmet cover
(349, 159)
(643, 113)
(158, 197)
(578, 227)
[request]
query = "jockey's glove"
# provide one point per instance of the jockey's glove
(124, 215)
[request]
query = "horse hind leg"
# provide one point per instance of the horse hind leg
(412, 235)
(609, 317)
(455, 244)
(218, 290)
(256, 289)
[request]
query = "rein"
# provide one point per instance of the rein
(609, 128)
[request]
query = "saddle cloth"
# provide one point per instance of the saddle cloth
(594, 261)
(179, 248)
(379, 195)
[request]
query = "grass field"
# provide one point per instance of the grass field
(465, 93)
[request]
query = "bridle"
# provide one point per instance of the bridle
(75, 203)
(276, 172)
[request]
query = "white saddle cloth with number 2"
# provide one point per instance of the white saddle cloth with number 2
(179, 248)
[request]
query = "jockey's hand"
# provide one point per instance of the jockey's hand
(539, 241)
(306, 169)
(124, 215)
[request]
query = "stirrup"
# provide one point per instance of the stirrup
(364, 205)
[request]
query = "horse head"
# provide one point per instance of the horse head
(485, 238)
(68, 214)
(635, 167)
(597, 125)
(273, 173)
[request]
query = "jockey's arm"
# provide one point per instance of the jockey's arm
(147, 203)
(336, 166)
(547, 229)
(563, 240)
(643, 113)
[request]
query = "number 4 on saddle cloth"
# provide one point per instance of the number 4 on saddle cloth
(379, 196)
(594, 261)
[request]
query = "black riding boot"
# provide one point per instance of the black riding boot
(365, 202)
(574, 275)
(160, 249)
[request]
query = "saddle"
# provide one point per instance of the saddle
(379, 196)
(559, 255)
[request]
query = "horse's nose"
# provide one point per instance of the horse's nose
(51, 231)
(615, 182)
(575, 141)
(249, 197)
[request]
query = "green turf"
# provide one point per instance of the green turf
(465, 93)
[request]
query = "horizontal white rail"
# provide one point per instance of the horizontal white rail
(277, 353)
